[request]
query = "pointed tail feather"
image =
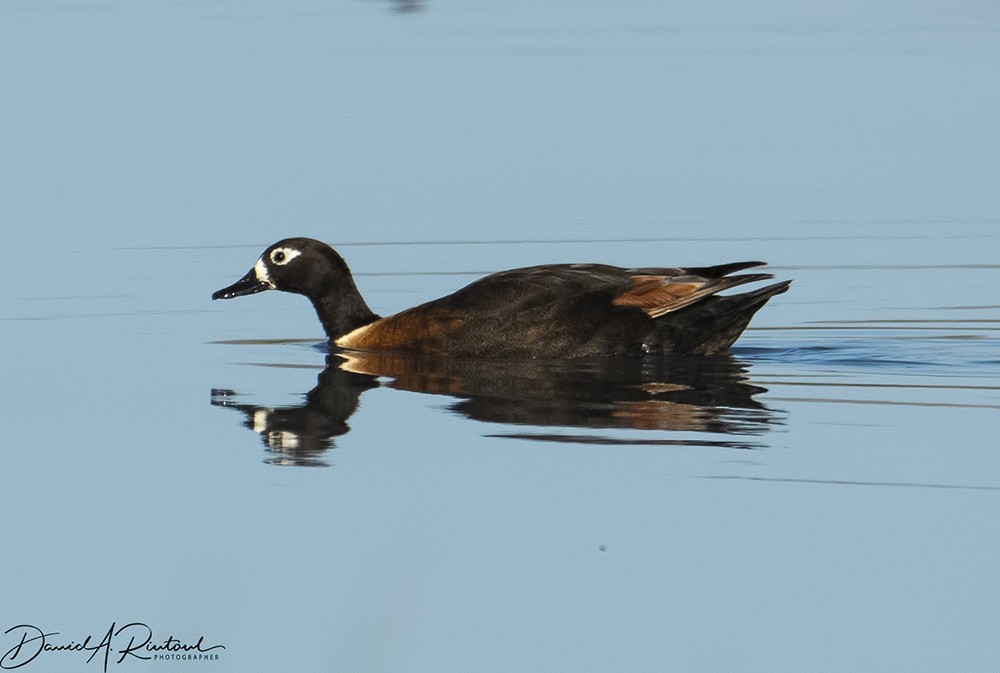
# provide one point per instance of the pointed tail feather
(712, 325)
(721, 270)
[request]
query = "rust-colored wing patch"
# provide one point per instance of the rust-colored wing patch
(659, 295)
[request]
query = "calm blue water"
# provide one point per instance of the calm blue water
(823, 501)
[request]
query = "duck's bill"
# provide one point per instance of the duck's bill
(248, 284)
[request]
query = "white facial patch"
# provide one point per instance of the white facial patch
(282, 256)
(260, 418)
(260, 269)
(277, 257)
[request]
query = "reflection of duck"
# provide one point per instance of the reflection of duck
(301, 435)
(551, 311)
(647, 393)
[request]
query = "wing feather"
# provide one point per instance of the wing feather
(659, 295)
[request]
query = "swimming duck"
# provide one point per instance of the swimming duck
(547, 311)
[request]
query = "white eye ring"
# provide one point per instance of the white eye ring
(282, 256)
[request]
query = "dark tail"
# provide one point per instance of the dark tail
(711, 326)
(721, 270)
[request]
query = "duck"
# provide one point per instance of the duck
(550, 311)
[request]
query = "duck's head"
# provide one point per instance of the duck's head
(300, 265)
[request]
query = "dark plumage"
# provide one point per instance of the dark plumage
(549, 311)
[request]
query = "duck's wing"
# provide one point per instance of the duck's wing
(656, 291)
(535, 286)
(660, 291)
(543, 301)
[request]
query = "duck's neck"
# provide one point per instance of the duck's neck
(343, 312)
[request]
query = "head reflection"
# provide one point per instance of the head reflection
(301, 435)
(675, 394)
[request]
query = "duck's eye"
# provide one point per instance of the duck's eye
(282, 256)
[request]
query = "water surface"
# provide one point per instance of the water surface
(821, 500)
